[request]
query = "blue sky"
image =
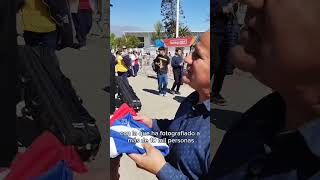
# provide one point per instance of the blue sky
(142, 14)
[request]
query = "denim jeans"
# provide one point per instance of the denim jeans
(220, 60)
(163, 82)
(48, 40)
(84, 26)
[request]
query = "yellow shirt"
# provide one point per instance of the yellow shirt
(36, 17)
(121, 67)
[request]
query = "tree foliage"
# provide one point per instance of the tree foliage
(158, 31)
(168, 12)
(129, 41)
(113, 40)
(184, 31)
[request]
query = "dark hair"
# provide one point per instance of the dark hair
(161, 48)
(118, 52)
(177, 49)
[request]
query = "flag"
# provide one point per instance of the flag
(128, 135)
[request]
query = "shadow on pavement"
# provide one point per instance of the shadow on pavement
(179, 98)
(152, 77)
(223, 119)
(152, 91)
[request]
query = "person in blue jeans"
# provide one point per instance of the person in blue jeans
(162, 61)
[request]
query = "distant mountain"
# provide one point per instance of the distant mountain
(118, 30)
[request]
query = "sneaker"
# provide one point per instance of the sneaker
(164, 95)
(219, 100)
(171, 92)
(178, 93)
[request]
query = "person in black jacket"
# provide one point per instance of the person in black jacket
(177, 68)
(161, 62)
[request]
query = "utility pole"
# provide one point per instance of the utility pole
(177, 22)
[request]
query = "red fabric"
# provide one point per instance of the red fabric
(122, 111)
(44, 153)
(136, 61)
(84, 4)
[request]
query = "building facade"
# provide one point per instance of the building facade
(145, 36)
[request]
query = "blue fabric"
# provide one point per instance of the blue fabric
(163, 83)
(84, 26)
(187, 160)
(60, 172)
(176, 61)
(122, 144)
(158, 43)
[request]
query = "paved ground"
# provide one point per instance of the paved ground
(241, 91)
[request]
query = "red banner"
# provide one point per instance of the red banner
(179, 42)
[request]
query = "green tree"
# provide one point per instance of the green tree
(184, 31)
(158, 31)
(113, 41)
(168, 12)
(118, 41)
(131, 41)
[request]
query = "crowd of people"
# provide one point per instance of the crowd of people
(126, 62)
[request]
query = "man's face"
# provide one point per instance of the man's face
(179, 53)
(162, 52)
(281, 46)
(198, 72)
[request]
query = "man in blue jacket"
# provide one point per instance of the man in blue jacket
(177, 68)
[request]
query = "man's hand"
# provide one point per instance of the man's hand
(152, 161)
(144, 119)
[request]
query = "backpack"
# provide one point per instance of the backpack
(127, 61)
(154, 66)
(52, 103)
